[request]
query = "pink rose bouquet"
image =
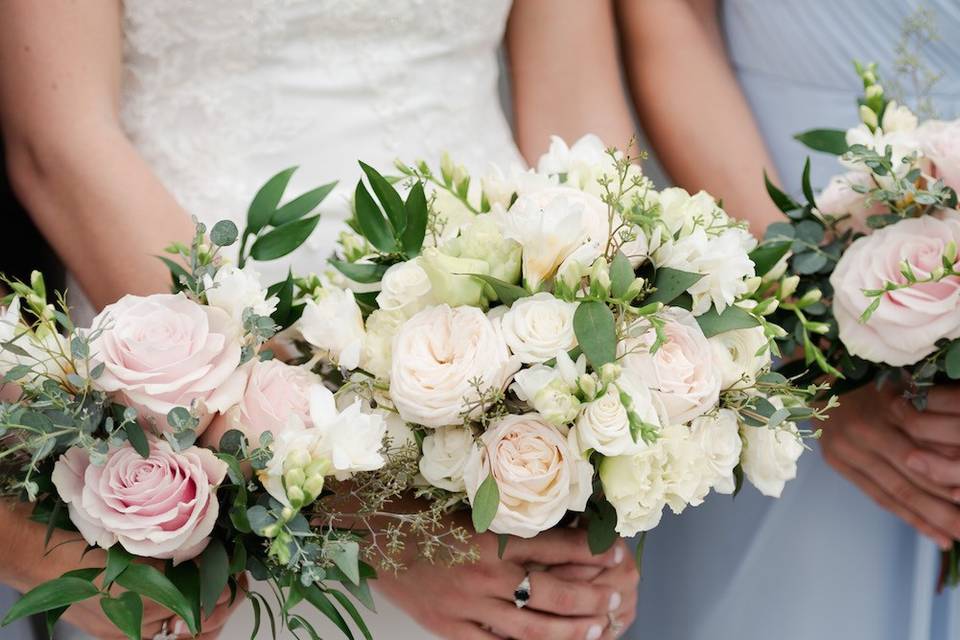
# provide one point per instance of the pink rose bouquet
(869, 274)
(168, 436)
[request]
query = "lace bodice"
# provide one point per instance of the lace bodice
(221, 94)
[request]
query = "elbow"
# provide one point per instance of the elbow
(27, 174)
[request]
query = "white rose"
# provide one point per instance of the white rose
(482, 240)
(739, 355)
(909, 322)
(382, 326)
(539, 477)
(437, 356)
(604, 423)
(718, 436)
(333, 323)
(681, 374)
(234, 290)
(445, 453)
(404, 287)
(770, 456)
(538, 326)
(722, 260)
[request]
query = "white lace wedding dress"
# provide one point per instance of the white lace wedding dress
(219, 95)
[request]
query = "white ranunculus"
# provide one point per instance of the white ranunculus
(333, 323)
(438, 354)
(549, 227)
(234, 290)
(739, 355)
(538, 475)
(538, 326)
(770, 456)
(445, 453)
(718, 436)
(604, 423)
(910, 321)
(722, 260)
(404, 287)
(681, 373)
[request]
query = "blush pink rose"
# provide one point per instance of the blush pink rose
(681, 374)
(840, 200)
(940, 142)
(273, 392)
(165, 351)
(163, 506)
(909, 322)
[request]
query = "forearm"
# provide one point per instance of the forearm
(691, 105)
(565, 74)
(100, 206)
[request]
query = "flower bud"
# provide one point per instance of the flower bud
(752, 284)
(818, 327)
(446, 168)
(313, 487)
(950, 252)
(868, 116)
(296, 459)
(635, 288)
(295, 477)
(810, 297)
(600, 278)
(271, 530)
(588, 386)
(296, 496)
(287, 514)
(788, 286)
(874, 90)
(609, 372)
(571, 273)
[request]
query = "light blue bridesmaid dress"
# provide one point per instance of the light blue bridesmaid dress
(823, 562)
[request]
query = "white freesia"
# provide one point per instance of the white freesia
(718, 436)
(898, 118)
(404, 287)
(537, 327)
(9, 326)
(353, 438)
(904, 144)
(501, 186)
(722, 260)
(739, 355)
(681, 373)
(438, 355)
(604, 423)
(550, 390)
(538, 475)
(445, 453)
(234, 290)
(682, 212)
(770, 456)
(333, 323)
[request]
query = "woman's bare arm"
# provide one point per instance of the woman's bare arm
(691, 105)
(566, 79)
(70, 163)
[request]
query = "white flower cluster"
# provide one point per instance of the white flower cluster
(523, 347)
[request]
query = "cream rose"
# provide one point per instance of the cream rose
(438, 354)
(718, 436)
(163, 506)
(770, 457)
(909, 322)
(539, 477)
(445, 454)
(404, 287)
(273, 392)
(537, 327)
(333, 323)
(681, 374)
(604, 423)
(739, 355)
(165, 351)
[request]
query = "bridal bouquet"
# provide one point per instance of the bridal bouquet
(560, 341)
(874, 273)
(131, 433)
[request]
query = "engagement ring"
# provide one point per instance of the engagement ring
(521, 595)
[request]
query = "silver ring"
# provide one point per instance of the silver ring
(616, 627)
(521, 595)
(164, 633)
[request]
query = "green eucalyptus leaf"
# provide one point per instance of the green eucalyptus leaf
(374, 226)
(388, 197)
(809, 262)
(486, 503)
(833, 141)
(137, 438)
(282, 240)
(346, 556)
(53, 594)
(301, 205)
(732, 318)
(671, 283)
(224, 233)
(265, 203)
(621, 275)
(594, 326)
(125, 611)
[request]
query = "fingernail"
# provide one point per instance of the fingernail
(615, 600)
(594, 632)
(917, 464)
(618, 554)
(180, 628)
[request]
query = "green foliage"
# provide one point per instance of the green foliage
(601, 527)
(594, 326)
(214, 573)
(125, 611)
(486, 503)
(150, 583)
(833, 141)
(60, 592)
(670, 284)
(713, 323)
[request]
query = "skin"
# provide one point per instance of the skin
(85, 184)
(906, 460)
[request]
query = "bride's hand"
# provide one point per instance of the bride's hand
(875, 439)
(475, 601)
